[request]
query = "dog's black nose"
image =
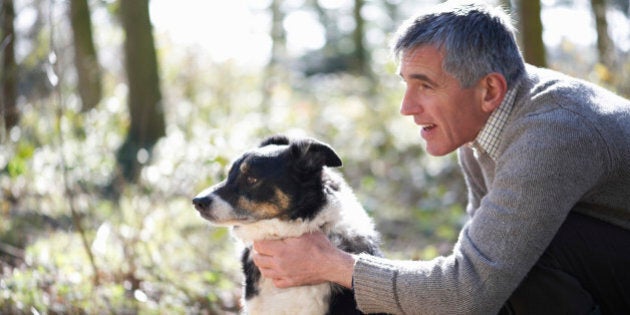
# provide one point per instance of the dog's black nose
(202, 203)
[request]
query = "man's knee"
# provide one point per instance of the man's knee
(549, 291)
(582, 270)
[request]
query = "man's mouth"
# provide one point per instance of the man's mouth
(427, 127)
(427, 130)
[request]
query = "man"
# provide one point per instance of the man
(547, 164)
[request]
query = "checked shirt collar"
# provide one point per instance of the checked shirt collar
(489, 137)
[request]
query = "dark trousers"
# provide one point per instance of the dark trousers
(585, 270)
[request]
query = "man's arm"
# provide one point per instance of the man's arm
(308, 259)
(551, 162)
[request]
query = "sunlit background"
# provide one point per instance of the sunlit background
(233, 29)
(77, 238)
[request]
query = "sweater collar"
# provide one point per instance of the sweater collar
(489, 138)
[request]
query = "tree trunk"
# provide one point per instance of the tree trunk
(85, 57)
(605, 48)
(145, 98)
(531, 30)
(274, 71)
(361, 62)
(8, 77)
(278, 35)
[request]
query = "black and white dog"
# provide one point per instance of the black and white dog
(284, 188)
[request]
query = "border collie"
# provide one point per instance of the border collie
(285, 188)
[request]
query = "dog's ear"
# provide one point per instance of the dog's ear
(276, 140)
(312, 155)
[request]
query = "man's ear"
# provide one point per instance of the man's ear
(494, 88)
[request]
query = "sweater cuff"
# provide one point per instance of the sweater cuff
(374, 285)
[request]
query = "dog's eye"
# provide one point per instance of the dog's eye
(251, 180)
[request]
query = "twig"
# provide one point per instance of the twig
(54, 80)
(12, 251)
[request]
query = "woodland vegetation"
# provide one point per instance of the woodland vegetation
(109, 128)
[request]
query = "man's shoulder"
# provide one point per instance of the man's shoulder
(549, 96)
(551, 88)
(562, 118)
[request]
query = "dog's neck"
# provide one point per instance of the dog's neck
(278, 229)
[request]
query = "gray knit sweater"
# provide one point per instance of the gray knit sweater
(566, 142)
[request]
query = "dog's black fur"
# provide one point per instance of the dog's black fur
(284, 188)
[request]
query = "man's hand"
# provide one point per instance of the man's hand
(308, 259)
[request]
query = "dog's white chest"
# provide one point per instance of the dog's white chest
(306, 300)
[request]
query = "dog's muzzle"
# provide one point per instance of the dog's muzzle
(202, 203)
(214, 209)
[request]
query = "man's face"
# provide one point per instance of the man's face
(449, 115)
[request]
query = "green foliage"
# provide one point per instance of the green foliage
(152, 253)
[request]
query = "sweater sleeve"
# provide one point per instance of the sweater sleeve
(551, 161)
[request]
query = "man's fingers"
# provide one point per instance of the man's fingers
(267, 247)
(267, 273)
(260, 247)
(282, 283)
(266, 265)
(283, 261)
(262, 261)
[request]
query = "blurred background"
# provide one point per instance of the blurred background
(115, 113)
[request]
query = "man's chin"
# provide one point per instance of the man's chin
(437, 150)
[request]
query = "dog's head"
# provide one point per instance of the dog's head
(280, 179)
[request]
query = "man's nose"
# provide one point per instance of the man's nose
(409, 105)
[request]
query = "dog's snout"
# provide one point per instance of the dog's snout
(202, 203)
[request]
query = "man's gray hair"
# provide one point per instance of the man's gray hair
(477, 40)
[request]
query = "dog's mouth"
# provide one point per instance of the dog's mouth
(206, 215)
(219, 212)
(229, 221)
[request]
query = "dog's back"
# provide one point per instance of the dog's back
(285, 189)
